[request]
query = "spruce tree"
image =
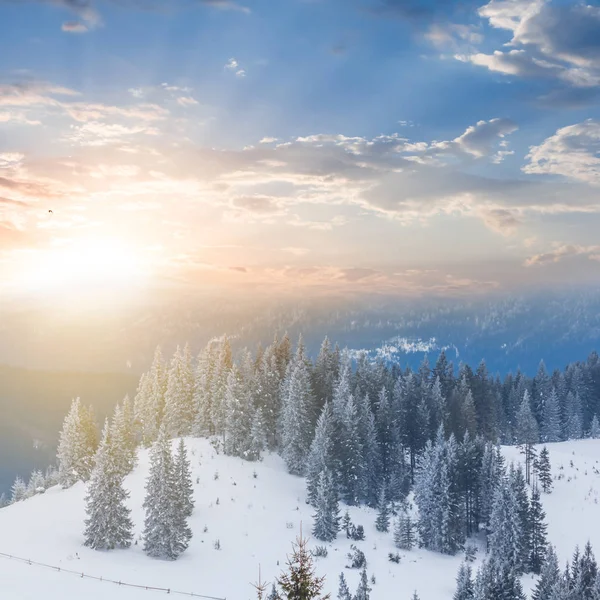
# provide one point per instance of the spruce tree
(179, 394)
(549, 576)
(258, 438)
(108, 525)
(183, 480)
(544, 470)
(464, 583)
(300, 582)
(343, 590)
(18, 490)
(504, 541)
(551, 426)
(527, 434)
(595, 428)
(382, 523)
(327, 520)
(166, 534)
(362, 592)
(77, 445)
(519, 489)
(404, 532)
(538, 542)
(320, 456)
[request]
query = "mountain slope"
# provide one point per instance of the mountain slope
(255, 520)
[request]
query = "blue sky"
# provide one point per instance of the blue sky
(357, 145)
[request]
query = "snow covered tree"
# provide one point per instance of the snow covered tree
(321, 455)
(544, 470)
(327, 520)
(122, 441)
(238, 410)
(183, 480)
(584, 574)
(18, 490)
(37, 483)
(551, 424)
(350, 455)
(574, 417)
(527, 433)
(362, 592)
(296, 430)
(595, 428)
(549, 577)
(258, 438)
(464, 583)
(519, 489)
(108, 525)
(300, 581)
(150, 399)
(504, 542)
(538, 542)
(343, 590)
(404, 532)
(77, 445)
(382, 523)
(179, 394)
(166, 534)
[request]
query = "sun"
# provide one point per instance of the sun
(96, 264)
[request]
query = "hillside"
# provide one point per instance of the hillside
(255, 519)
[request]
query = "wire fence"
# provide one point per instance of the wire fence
(107, 580)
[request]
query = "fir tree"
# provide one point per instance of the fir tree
(538, 542)
(273, 594)
(321, 452)
(166, 534)
(108, 525)
(300, 581)
(382, 522)
(549, 576)
(519, 489)
(77, 445)
(551, 428)
(362, 592)
(183, 480)
(327, 521)
(18, 490)
(179, 394)
(258, 438)
(404, 532)
(464, 583)
(595, 428)
(343, 590)
(504, 541)
(527, 433)
(544, 470)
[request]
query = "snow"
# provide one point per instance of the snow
(255, 521)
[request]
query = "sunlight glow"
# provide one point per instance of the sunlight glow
(102, 265)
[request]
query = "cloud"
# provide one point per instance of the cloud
(257, 204)
(501, 220)
(187, 101)
(572, 152)
(550, 40)
(75, 27)
(560, 253)
(453, 35)
(478, 139)
(233, 65)
(226, 5)
(296, 251)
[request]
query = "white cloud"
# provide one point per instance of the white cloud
(572, 152)
(561, 252)
(187, 101)
(75, 27)
(233, 65)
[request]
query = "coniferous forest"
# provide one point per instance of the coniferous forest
(421, 447)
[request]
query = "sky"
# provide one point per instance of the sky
(301, 146)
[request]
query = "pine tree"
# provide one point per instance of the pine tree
(108, 525)
(321, 452)
(527, 433)
(519, 489)
(37, 483)
(179, 394)
(464, 583)
(544, 470)
(183, 480)
(343, 590)
(595, 428)
(258, 438)
(551, 426)
(296, 431)
(273, 594)
(122, 442)
(166, 534)
(77, 445)
(18, 490)
(404, 532)
(538, 542)
(300, 581)
(584, 581)
(382, 522)
(549, 576)
(362, 592)
(505, 538)
(327, 520)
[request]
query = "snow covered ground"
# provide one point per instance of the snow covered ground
(255, 519)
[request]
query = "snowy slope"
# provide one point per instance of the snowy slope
(255, 521)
